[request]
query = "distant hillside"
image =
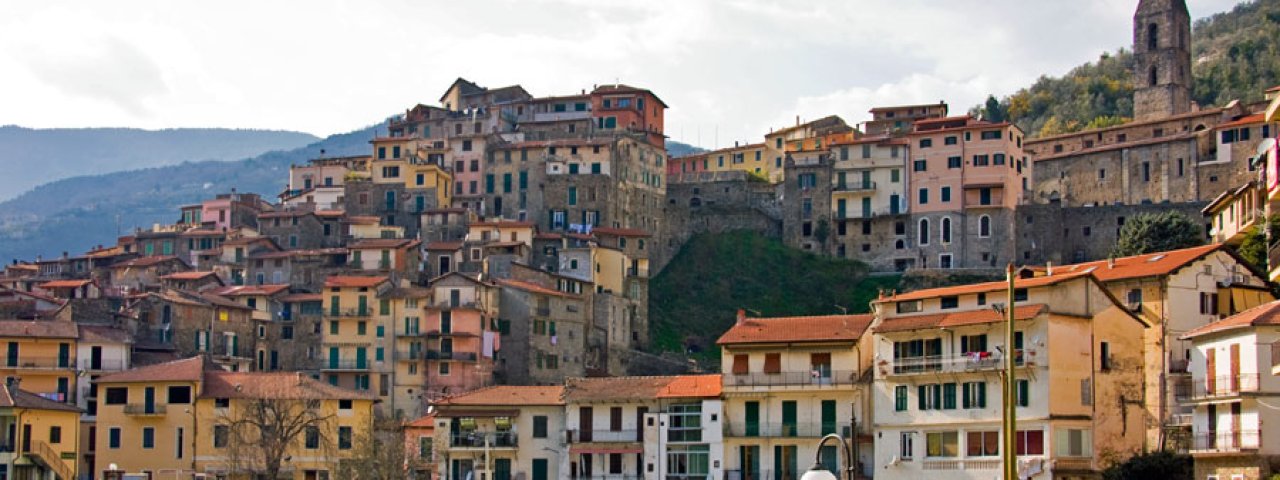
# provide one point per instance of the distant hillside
(677, 149)
(45, 155)
(1235, 55)
(76, 213)
(694, 300)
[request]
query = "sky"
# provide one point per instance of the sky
(729, 70)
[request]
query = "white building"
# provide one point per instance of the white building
(501, 433)
(1234, 393)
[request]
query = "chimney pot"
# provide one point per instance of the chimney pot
(1111, 262)
(1048, 269)
(742, 316)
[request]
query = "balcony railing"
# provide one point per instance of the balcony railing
(1227, 441)
(854, 187)
(1178, 366)
(967, 464)
(38, 362)
(143, 409)
(346, 365)
(966, 362)
(409, 354)
(483, 439)
(458, 356)
(603, 436)
(782, 429)
(1224, 386)
(806, 378)
(351, 312)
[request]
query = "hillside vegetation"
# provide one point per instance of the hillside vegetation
(77, 213)
(696, 297)
(1235, 55)
(46, 155)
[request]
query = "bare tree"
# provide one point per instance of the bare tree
(379, 455)
(260, 432)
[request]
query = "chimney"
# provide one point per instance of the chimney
(735, 144)
(1111, 262)
(1048, 269)
(742, 317)
(13, 382)
(64, 255)
(797, 120)
(301, 379)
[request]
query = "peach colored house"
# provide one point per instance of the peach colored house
(460, 325)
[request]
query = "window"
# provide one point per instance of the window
(1024, 393)
(942, 444)
(944, 194)
(1208, 303)
(984, 226)
(926, 142)
(113, 437)
(923, 196)
(148, 437)
(946, 229)
(1104, 354)
(900, 398)
(982, 444)
(117, 396)
(312, 434)
(991, 135)
(179, 395)
(540, 426)
(973, 395)
(924, 231)
(344, 438)
(906, 445)
(55, 434)
(954, 162)
(919, 166)
(773, 363)
(1072, 442)
(929, 397)
(1030, 442)
(950, 301)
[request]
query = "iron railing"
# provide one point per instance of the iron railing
(604, 436)
(785, 429)
(483, 439)
(965, 362)
(816, 378)
(1224, 386)
(1227, 441)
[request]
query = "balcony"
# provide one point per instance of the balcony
(140, 409)
(603, 436)
(1226, 442)
(350, 313)
(346, 365)
(40, 363)
(857, 214)
(1224, 386)
(971, 362)
(854, 187)
(967, 464)
(483, 440)
(807, 378)
(455, 356)
(409, 354)
(1178, 366)
(784, 430)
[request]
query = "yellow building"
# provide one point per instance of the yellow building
(42, 354)
(356, 334)
(40, 442)
(189, 417)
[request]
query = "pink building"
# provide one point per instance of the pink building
(460, 326)
(961, 162)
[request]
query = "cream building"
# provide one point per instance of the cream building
(502, 432)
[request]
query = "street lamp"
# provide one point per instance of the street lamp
(818, 472)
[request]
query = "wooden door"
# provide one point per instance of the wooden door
(1210, 372)
(584, 424)
(1235, 368)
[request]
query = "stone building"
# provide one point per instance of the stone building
(1161, 59)
(544, 334)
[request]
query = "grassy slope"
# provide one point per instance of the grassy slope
(696, 297)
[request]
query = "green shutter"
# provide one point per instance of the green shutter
(982, 395)
(949, 396)
(828, 417)
(753, 419)
(789, 418)
(923, 397)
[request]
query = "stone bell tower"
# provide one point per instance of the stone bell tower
(1161, 59)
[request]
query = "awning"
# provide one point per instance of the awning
(580, 449)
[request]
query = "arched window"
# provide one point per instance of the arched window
(984, 226)
(924, 231)
(899, 244)
(1153, 35)
(946, 230)
(1151, 77)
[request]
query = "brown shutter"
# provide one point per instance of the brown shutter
(820, 359)
(773, 363)
(740, 364)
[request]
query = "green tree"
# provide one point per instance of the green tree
(1162, 465)
(1157, 232)
(1254, 246)
(993, 112)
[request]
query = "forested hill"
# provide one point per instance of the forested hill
(1235, 55)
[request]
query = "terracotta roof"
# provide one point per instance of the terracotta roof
(186, 275)
(503, 224)
(426, 421)
(38, 329)
(407, 292)
(330, 213)
(281, 385)
(1116, 146)
(828, 118)
(1245, 120)
(17, 398)
(247, 241)
(532, 288)
(185, 370)
(906, 107)
(144, 262)
(984, 287)
(302, 297)
(620, 232)
(826, 328)
(64, 284)
(239, 290)
(384, 243)
(1148, 265)
(688, 386)
(508, 396)
(622, 88)
(1265, 314)
(362, 220)
(104, 334)
(445, 246)
(956, 319)
(353, 281)
(596, 389)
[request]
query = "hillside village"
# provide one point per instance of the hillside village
(473, 294)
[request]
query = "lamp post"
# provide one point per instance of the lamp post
(1010, 386)
(817, 472)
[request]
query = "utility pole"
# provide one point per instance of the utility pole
(1010, 387)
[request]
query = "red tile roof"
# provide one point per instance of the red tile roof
(250, 290)
(532, 288)
(144, 262)
(17, 398)
(595, 389)
(503, 224)
(353, 281)
(426, 421)
(64, 284)
(690, 386)
(984, 287)
(1245, 120)
(185, 370)
(508, 396)
(620, 232)
(362, 219)
(383, 243)
(826, 328)
(38, 329)
(104, 334)
(1265, 314)
(1148, 265)
(444, 246)
(275, 385)
(956, 319)
(186, 275)
(302, 297)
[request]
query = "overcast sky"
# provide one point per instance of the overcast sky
(734, 67)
